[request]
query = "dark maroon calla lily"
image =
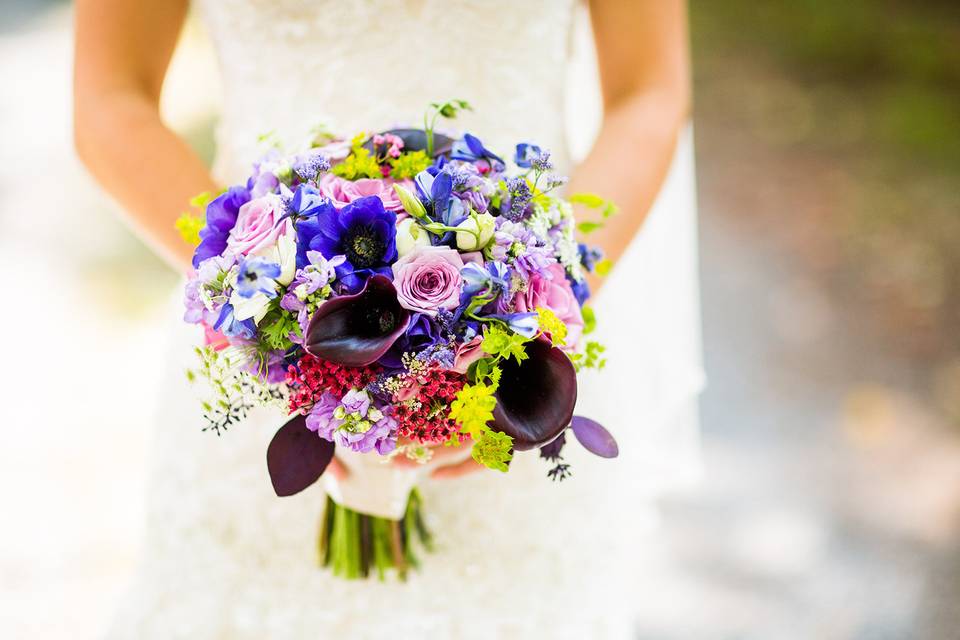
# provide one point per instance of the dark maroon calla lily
(535, 399)
(355, 330)
(594, 437)
(416, 140)
(297, 457)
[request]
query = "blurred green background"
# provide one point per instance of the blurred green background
(834, 128)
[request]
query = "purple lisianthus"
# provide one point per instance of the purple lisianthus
(356, 401)
(221, 217)
(317, 274)
(320, 418)
(194, 309)
(363, 231)
(263, 180)
(354, 422)
(518, 245)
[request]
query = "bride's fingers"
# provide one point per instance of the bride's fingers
(337, 469)
(456, 470)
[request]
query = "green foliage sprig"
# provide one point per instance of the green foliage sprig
(234, 391)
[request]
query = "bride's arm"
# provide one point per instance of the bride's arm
(643, 59)
(123, 48)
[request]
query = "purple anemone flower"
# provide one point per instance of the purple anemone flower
(363, 231)
(356, 330)
(221, 218)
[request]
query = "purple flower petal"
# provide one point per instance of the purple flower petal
(594, 437)
(535, 399)
(355, 330)
(297, 457)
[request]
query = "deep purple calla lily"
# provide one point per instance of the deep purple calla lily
(356, 330)
(297, 457)
(535, 399)
(416, 140)
(594, 438)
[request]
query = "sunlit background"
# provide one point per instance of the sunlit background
(828, 141)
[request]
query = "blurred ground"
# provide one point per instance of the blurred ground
(828, 156)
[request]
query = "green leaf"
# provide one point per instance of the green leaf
(504, 344)
(473, 408)
(493, 450)
(603, 267)
(591, 200)
(588, 226)
(276, 334)
(589, 320)
(189, 226)
(201, 200)
(408, 165)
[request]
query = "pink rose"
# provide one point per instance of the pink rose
(257, 229)
(552, 291)
(466, 353)
(428, 279)
(343, 192)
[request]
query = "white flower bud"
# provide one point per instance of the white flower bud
(411, 235)
(477, 232)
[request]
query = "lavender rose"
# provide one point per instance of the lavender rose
(428, 279)
(257, 230)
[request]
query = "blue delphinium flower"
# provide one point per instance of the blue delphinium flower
(581, 290)
(229, 326)
(221, 218)
(470, 148)
(258, 275)
(526, 323)
(436, 190)
(490, 280)
(363, 231)
(525, 155)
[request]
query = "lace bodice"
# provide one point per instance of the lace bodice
(290, 65)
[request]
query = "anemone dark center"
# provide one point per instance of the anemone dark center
(364, 247)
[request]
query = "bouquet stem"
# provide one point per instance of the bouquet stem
(354, 544)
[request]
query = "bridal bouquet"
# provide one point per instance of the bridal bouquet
(396, 293)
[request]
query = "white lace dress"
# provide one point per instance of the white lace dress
(518, 556)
